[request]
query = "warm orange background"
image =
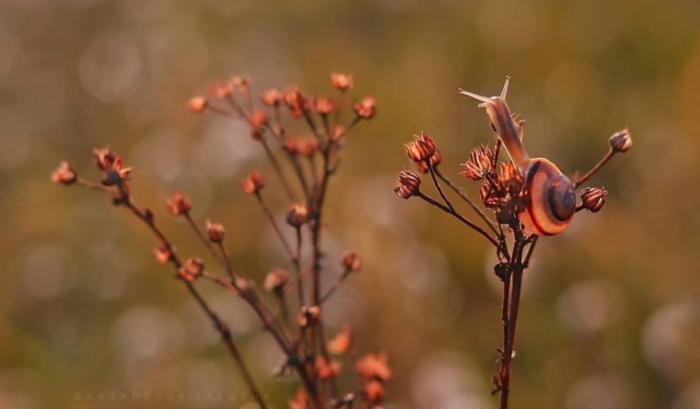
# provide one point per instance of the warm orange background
(610, 316)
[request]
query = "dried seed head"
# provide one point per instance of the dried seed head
(342, 342)
(198, 104)
(407, 184)
(240, 81)
(351, 262)
(178, 204)
(308, 146)
(64, 174)
(271, 97)
(421, 149)
(300, 401)
(509, 178)
(291, 145)
(374, 367)
(258, 121)
(162, 254)
(298, 214)
(111, 164)
(191, 269)
(337, 133)
(220, 90)
(374, 392)
(593, 198)
(366, 108)
(479, 163)
(104, 158)
(244, 286)
(309, 316)
(324, 105)
(276, 280)
(215, 231)
(253, 183)
(295, 100)
(325, 369)
(340, 81)
(435, 160)
(621, 141)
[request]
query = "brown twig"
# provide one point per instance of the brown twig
(595, 168)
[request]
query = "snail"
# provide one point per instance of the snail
(552, 198)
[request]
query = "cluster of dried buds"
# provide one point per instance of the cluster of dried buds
(528, 198)
(303, 166)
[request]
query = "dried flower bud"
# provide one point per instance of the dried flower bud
(479, 163)
(593, 198)
(621, 141)
(309, 316)
(435, 160)
(295, 100)
(337, 133)
(244, 286)
(300, 401)
(308, 146)
(64, 174)
(366, 108)
(351, 262)
(275, 280)
(191, 269)
(258, 121)
(509, 178)
(220, 90)
(162, 254)
(253, 183)
(298, 214)
(421, 149)
(271, 97)
(407, 184)
(215, 231)
(374, 391)
(325, 369)
(374, 366)
(324, 105)
(340, 81)
(291, 145)
(240, 82)
(198, 104)
(342, 342)
(105, 158)
(178, 204)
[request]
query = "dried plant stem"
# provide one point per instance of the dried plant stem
(277, 168)
(217, 322)
(458, 216)
(275, 226)
(466, 198)
(595, 168)
(512, 289)
(336, 285)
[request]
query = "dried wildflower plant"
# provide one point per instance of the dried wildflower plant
(303, 168)
(522, 198)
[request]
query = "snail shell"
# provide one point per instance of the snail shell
(552, 198)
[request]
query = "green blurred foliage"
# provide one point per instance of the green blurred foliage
(610, 315)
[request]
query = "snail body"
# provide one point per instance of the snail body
(552, 198)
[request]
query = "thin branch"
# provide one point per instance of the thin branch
(209, 245)
(458, 216)
(277, 168)
(275, 226)
(595, 168)
(464, 196)
(336, 285)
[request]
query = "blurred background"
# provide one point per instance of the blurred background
(611, 311)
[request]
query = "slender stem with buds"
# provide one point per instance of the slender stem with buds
(275, 226)
(220, 326)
